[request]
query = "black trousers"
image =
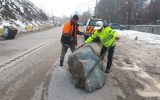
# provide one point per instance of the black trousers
(110, 55)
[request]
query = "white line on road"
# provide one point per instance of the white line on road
(13, 60)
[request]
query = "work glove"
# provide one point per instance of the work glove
(83, 45)
(117, 38)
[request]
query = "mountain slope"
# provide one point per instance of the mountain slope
(21, 10)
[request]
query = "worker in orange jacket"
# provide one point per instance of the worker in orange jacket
(69, 36)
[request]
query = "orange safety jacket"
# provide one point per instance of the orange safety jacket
(68, 30)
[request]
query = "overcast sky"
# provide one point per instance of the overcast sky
(64, 7)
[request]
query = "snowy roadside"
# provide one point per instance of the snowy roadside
(142, 36)
(134, 74)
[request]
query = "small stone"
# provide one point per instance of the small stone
(136, 38)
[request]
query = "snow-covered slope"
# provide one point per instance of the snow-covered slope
(142, 36)
(21, 10)
(22, 14)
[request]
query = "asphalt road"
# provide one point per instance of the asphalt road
(25, 62)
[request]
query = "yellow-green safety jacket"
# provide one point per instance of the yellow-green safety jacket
(107, 37)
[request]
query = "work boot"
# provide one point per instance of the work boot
(61, 62)
(107, 71)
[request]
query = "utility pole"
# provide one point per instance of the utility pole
(129, 13)
(128, 4)
(96, 9)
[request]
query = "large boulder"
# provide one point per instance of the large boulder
(80, 63)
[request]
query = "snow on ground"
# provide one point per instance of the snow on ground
(142, 36)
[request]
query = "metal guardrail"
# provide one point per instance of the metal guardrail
(155, 29)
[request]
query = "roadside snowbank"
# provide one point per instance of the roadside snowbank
(142, 36)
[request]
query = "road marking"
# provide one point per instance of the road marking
(7, 63)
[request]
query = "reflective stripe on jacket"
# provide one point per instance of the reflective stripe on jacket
(107, 37)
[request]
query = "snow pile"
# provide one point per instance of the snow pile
(147, 37)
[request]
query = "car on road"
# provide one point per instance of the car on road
(1, 30)
(116, 26)
(89, 29)
(8, 32)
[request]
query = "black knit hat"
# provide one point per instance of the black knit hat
(75, 17)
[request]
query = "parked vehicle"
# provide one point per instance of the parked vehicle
(116, 26)
(89, 29)
(9, 32)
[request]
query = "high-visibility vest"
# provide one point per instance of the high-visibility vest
(107, 37)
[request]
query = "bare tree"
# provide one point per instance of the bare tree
(152, 12)
(129, 11)
(85, 16)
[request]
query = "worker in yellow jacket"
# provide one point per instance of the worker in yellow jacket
(108, 37)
